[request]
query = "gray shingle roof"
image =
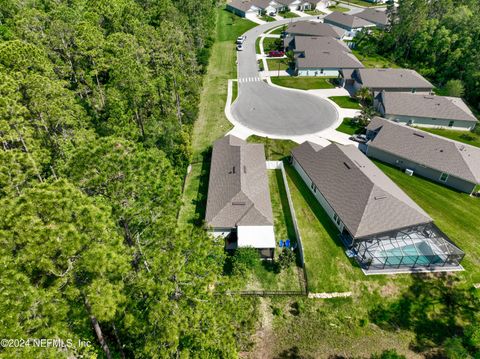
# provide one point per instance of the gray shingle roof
(439, 153)
(374, 15)
(238, 191)
(242, 5)
(429, 106)
(318, 43)
(364, 198)
(314, 58)
(349, 21)
(310, 28)
(392, 78)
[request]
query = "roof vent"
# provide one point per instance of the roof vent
(238, 203)
(418, 135)
(244, 169)
(380, 197)
(346, 165)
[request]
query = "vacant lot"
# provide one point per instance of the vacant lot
(374, 61)
(304, 83)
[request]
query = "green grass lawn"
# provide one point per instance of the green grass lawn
(234, 90)
(275, 150)
(461, 136)
(278, 30)
(211, 123)
(314, 12)
(360, 2)
(264, 276)
(288, 15)
(338, 8)
(346, 102)
(257, 45)
(277, 64)
(349, 127)
(374, 61)
(267, 18)
(304, 83)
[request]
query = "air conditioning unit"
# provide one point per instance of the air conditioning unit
(408, 171)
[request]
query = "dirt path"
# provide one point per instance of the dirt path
(264, 335)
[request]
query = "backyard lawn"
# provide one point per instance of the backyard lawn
(264, 276)
(338, 8)
(304, 83)
(346, 102)
(275, 150)
(211, 122)
(349, 127)
(461, 136)
(278, 64)
(374, 61)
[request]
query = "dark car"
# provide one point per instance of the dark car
(359, 138)
(276, 53)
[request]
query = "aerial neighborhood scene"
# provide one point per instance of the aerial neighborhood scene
(240, 179)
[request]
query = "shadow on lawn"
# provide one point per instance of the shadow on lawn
(317, 209)
(435, 308)
(201, 200)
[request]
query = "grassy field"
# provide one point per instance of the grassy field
(212, 123)
(349, 127)
(264, 276)
(338, 8)
(303, 83)
(275, 150)
(277, 64)
(346, 102)
(461, 136)
(374, 61)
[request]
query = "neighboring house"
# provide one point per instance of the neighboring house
(453, 164)
(351, 23)
(252, 8)
(391, 80)
(322, 56)
(425, 110)
(303, 5)
(375, 16)
(383, 227)
(238, 204)
(312, 28)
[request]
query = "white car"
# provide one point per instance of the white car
(241, 39)
(239, 47)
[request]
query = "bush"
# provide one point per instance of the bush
(244, 259)
(388, 354)
(276, 311)
(286, 258)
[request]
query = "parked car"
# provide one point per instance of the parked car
(239, 47)
(241, 39)
(272, 14)
(359, 138)
(276, 53)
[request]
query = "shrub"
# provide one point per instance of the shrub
(286, 258)
(276, 311)
(388, 354)
(244, 259)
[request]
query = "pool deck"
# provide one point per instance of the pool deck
(433, 269)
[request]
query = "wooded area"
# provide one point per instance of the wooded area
(97, 103)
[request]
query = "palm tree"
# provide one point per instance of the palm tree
(364, 96)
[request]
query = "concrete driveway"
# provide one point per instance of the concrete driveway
(273, 110)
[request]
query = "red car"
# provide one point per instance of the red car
(276, 53)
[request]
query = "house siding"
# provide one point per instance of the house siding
(426, 172)
(430, 122)
(323, 202)
(317, 72)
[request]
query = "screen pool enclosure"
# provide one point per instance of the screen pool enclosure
(419, 246)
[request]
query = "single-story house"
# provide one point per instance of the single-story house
(238, 203)
(312, 28)
(252, 8)
(383, 227)
(425, 110)
(351, 23)
(451, 163)
(322, 56)
(375, 16)
(391, 80)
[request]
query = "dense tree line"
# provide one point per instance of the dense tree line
(439, 38)
(97, 103)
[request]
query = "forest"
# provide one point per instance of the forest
(97, 103)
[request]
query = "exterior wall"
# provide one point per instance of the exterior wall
(316, 72)
(323, 202)
(431, 122)
(434, 175)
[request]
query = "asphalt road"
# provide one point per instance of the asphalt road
(274, 110)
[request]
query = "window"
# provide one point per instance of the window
(450, 124)
(444, 177)
(414, 90)
(335, 217)
(313, 187)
